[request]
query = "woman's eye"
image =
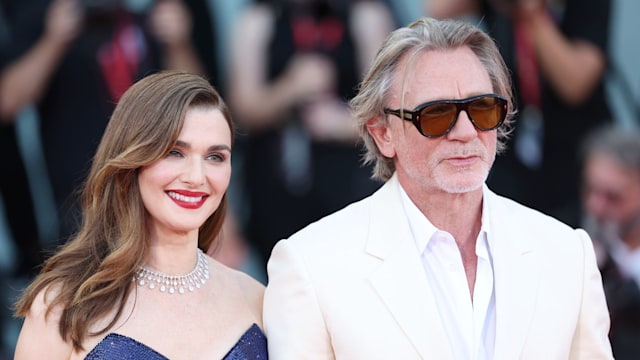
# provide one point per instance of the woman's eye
(174, 153)
(216, 157)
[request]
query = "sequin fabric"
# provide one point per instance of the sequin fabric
(251, 346)
(116, 346)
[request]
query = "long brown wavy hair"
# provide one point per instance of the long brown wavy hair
(94, 270)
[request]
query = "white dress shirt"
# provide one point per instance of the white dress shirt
(469, 323)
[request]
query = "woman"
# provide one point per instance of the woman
(153, 202)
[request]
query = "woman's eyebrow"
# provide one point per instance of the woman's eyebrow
(181, 143)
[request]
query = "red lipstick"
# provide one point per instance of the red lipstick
(188, 199)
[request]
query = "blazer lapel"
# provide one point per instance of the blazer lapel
(400, 281)
(516, 280)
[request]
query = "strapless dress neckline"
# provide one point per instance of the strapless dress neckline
(252, 345)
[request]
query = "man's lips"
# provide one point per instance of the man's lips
(463, 160)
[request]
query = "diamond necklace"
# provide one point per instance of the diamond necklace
(175, 283)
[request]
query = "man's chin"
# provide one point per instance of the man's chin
(461, 187)
(463, 182)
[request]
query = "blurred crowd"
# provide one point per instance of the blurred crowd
(288, 68)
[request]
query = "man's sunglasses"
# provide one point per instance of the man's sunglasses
(436, 118)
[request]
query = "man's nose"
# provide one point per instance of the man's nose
(463, 129)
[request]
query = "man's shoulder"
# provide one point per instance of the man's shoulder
(524, 217)
(535, 230)
(346, 222)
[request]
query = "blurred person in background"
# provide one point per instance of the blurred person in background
(19, 212)
(74, 58)
(611, 205)
(294, 65)
(14, 183)
(466, 10)
(557, 53)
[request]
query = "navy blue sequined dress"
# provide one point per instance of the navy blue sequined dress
(251, 346)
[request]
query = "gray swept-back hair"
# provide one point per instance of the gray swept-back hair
(423, 35)
(616, 141)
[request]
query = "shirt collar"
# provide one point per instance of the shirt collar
(423, 230)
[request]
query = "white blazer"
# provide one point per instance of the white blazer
(352, 286)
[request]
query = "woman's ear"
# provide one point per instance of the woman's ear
(383, 136)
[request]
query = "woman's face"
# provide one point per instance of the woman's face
(181, 190)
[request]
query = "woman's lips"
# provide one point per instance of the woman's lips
(187, 199)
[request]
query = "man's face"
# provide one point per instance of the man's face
(611, 193)
(457, 162)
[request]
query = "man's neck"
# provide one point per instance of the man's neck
(461, 216)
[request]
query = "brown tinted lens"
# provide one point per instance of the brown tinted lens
(435, 119)
(486, 112)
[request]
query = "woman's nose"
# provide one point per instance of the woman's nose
(193, 172)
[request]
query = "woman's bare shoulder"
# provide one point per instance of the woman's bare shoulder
(40, 334)
(250, 288)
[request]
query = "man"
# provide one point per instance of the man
(434, 265)
(611, 199)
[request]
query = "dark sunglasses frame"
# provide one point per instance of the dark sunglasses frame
(461, 104)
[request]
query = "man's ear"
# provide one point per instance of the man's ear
(382, 135)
